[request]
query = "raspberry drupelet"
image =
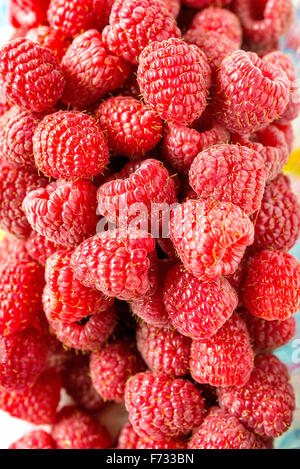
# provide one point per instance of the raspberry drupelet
(37, 439)
(51, 38)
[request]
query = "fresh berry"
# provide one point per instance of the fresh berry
(40, 248)
(174, 78)
(288, 132)
(172, 443)
(51, 38)
(161, 406)
(272, 287)
(266, 403)
(128, 438)
(30, 75)
(173, 7)
(70, 145)
(27, 13)
(12, 248)
(37, 439)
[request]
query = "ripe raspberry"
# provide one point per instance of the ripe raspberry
(173, 443)
(130, 127)
(163, 349)
(58, 356)
(77, 382)
(30, 75)
(15, 184)
(226, 359)
(36, 404)
(174, 78)
(205, 3)
(37, 439)
(90, 71)
(63, 212)
(230, 173)
(51, 38)
(40, 248)
(277, 224)
(77, 429)
(70, 145)
(210, 237)
(197, 309)
(162, 407)
(65, 298)
(288, 132)
(12, 248)
(266, 403)
(27, 13)
(173, 7)
(115, 262)
(237, 278)
(87, 335)
(220, 430)
(128, 438)
(21, 286)
(133, 25)
(250, 92)
(112, 365)
(265, 335)
(271, 290)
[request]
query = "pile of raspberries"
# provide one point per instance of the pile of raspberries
(107, 106)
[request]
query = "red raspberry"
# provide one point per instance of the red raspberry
(27, 13)
(226, 359)
(77, 429)
(197, 309)
(12, 248)
(30, 75)
(70, 145)
(230, 173)
(77, 382)
(205, 3)
(272, 287)
(65, 298)
(21, 286)
(162, 407)
(173, 7)
(237, 278)
(174, 78)
(220, 430)
(58, 356)
(40, 248)
(210, 237)
(128, 438)
(90, 71)
(73, 17)
(115, 262)
(266, 403)
(133, 25)
(4, 106)
(87, 335)
(288, 132)
(36, 404)
(163, 349)
(250, 92)
(112, 365)
(51, 38)
(22, 359)
(268, 335)
(15, 184)
(277, 224)
(63, 212)
(173, 443)
(37, 439)
(130, 127)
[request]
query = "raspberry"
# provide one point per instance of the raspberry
(128, 438)
(163, 349)
(112, 365)
(15, 184)
(205, 3)
(266, 403)
(226, 359)
(133, 25)
(149, 189)
(37, 439)
(90, 71)
(70, 145)
(277, 224)
(40, 248)
(17, 137)
(78, 384)
(12, 248)
(51, 38)
(77, 429)
(174, 78)
(250, 92)
(130, 127)
(220, 430)
(22, 359)
(173, 443)
(210, 237)
(72, 17)
(36, 404)
(30, 75)
(288, 132)
(21, 286)
(115, 262)
(197, 309)
(27, 13)
(65, 298)
(87, 335)
(230, 173)
(237, 278)
(271, 290)
(173, 7)
(162, 407)
(63, 212)
(58, 356)
(268, 335)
